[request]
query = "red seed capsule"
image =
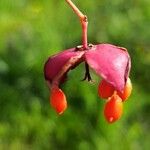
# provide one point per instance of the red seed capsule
(127, 90)
(113, 109)
(105, 89)
(58, 100)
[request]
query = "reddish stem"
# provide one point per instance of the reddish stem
(84, 23)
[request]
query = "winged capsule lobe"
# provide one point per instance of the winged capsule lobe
(110, 62)
(55, 63)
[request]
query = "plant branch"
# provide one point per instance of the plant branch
(75, 9)
(84, 23)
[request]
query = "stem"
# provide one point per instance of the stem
(75, 9)
(84, 33)
(83, 21)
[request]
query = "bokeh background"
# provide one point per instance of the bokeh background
(31, 31)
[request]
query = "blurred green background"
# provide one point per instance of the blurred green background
(31, 31)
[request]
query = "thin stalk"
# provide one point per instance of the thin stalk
(83, 21)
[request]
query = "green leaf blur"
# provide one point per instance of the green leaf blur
(31, 31)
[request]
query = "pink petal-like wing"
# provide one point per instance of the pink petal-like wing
(55, 63)
(110, 62)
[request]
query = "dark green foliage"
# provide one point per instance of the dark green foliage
(30, 31)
